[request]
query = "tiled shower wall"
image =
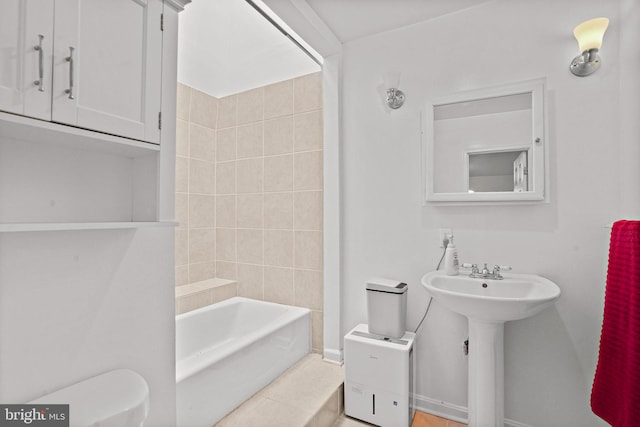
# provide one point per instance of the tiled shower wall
(249, 192)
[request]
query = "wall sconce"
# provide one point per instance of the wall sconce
(589, 35)
(395, 97)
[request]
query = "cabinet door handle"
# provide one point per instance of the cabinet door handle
(69, 59)
(40, 50)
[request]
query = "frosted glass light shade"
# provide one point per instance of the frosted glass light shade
(590, 33)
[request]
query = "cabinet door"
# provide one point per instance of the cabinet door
(107, 66)
(26, 49)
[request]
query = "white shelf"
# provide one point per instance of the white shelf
(71, 226)
(29, 129)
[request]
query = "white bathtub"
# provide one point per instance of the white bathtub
(228, 351)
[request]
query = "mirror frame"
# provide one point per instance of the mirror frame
(538, 159)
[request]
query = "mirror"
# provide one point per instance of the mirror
(486, 145)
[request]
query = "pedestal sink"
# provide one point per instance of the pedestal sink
(488, 304)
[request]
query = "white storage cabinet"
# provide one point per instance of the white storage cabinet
(93, 64)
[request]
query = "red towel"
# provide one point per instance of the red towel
(615, 396)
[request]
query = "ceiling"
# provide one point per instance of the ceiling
(353, 19)
(227, 47)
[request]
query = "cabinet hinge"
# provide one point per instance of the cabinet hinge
(162, 22)
(160, 120)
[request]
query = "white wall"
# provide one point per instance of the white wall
(550, 359)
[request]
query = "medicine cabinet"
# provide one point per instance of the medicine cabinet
(486, 145)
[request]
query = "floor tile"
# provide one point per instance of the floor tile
(263, 412)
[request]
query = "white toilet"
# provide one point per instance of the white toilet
(117, 398)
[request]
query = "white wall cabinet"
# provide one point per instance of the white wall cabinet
(96, 73)
(26, 52)
(86, 216)
(99, 66)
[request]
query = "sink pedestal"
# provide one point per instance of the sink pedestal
(488, 304)
(486, 374)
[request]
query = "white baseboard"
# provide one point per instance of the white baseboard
(451, 411)
(333, 355)
(441, 409)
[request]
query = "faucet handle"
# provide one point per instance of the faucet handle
(473, 267)
(498, 268)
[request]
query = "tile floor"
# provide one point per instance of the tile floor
(308, 394)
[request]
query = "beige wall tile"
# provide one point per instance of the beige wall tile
(225, 245)
(278, 99)
(308, 131)
(221, 293)
(182, 210)
(278, 248)
(193, 301)
(202, 211)
(278, 285)
(307, 93)
(203, 109)
(182, 174)
(202, 271)
(226, 270)
(226, 211)
(250, 140)
(250, 244)
(250, 106)
(250, 283)
(307, 207)
(201, 245)
(226, 144)
(250, 208)
(228, 184)
(308, 250)
(182, 274)
(278, 210)
(249, 176)
(278, 173)
(226, 178)
(202, 143)
(278, 136)
(307, 174)
(182, 138)
(201, 177)
(182, 246)
(227, 111)
(182, 101)
(316, 331)
(308, 289)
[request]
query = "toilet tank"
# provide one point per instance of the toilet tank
(386, 307)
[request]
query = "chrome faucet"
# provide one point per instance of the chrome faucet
(485, 273)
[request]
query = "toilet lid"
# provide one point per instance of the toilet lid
(115, 398)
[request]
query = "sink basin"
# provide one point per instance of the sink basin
(515, 297)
